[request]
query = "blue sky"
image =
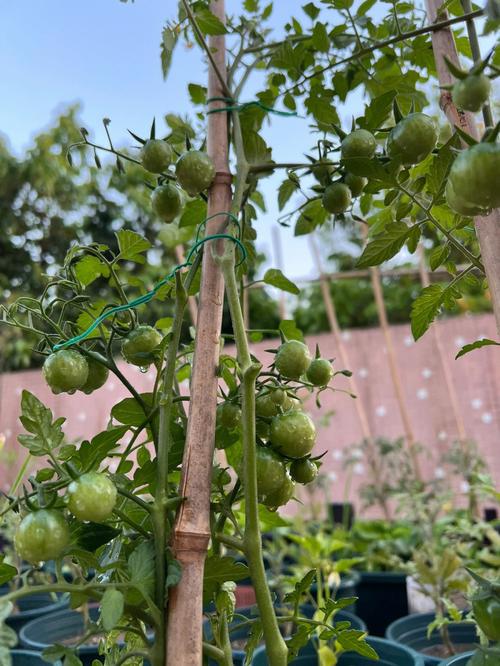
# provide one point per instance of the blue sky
(105, 55)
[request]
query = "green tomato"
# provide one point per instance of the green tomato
(65, 371)
(262, 430)
(98, 374)
(323, 172)
(171, 235)
(320, 372)
(304, 470)
(293, 434)
(474, 177)
(457, 204)
(42, 535)
(139, 345)
(271, 471)
(336, 198)
(412, 139)
(92, 497)
(472, 92)
(167, 201)
(486, 609)
(293, 359)
(265, 406)
(195, 172)
(281, 495)
(157, 155)
(228, 415)
(360, 143)
(355, 183)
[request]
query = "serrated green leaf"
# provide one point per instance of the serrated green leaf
(7, 572)
(130, 412)
(218, 570)
(132, 245)
(112, 605)
(46, 435)
(275, 278)
(208, 23)
(438, 256)
(141, 567)
(285, 191)
(484, 342)
(197, 93)
(289, 329)
(169, 39)
(89, 268)
(384, 246)
(425, 309)
(194, 213)
(91, 536)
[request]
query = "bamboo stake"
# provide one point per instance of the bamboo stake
(394, 370)
(344, 357)
(450, 386)
(488, 226)
(278, 258)
(192, 304)
(192, 528)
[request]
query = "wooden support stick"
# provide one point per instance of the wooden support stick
(192, 304)
(192, 528)
(488, 226)
(344, 357)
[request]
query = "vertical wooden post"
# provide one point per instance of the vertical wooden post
(450, 386)
(344, 357)
(487, 226)
(394, 370)
(192, 528)
(192, 304)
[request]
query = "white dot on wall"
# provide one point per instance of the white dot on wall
(460, 342)
(113, 466)
(359, 468)
(332, 476)
(346, 336)
(464, 487)
(476, 403)
(442, 435)
(422, 394)
(439, 473)
(151, 374)
(356, 454)
(426, 373)
(82, 416)
(8, 432)
(408, 341)
(487, 417)
(380, 410)
(111, 386)
(363, 372)
(337, 454)
(18, 390)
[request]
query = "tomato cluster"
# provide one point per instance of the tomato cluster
(472, 187)
(44, 534)
(285, 433)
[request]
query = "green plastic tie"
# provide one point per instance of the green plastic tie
(236, 106)
(145, 298)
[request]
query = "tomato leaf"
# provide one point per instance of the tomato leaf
(484, 342)
(290, 331)
(194, 213)
(425, 309)
(131, 245)
(7, 571)
(112, 605)
(129, 411)
(47, 435)
(275, 278)
(91, 536)
(89, 268)
(208, 23)
(285, 191)
(384, 246)
(218, 570)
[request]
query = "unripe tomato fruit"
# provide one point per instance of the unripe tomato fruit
(98, 374)
(138, 346)
(92, 497)
(355, 183)
(265, 406)
(166, 201)
(195, 172)
(472, 92)
(323, 172)
(486, 609)
(412, 139)
(228, 415)
(360, 143)
(65, 371)
(293, 359)
(271, 471)
(320, 372)
(474, 177)
(457, 204)
(304, 470)
(262, 430)
(281, 495)
(156, 155)
(337, 198)
(293, 434)
(42, 535)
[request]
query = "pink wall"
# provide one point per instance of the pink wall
(476, 377)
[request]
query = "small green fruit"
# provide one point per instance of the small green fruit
(337, 198)
(167, 201)
(156, 155)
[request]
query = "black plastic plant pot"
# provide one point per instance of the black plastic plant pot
(411, 631)
(242, 634)
(28, 658)
(33, 606)
(342, 513)
(390, 654)
(458, 659)
(382, 598)
(62, 627)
